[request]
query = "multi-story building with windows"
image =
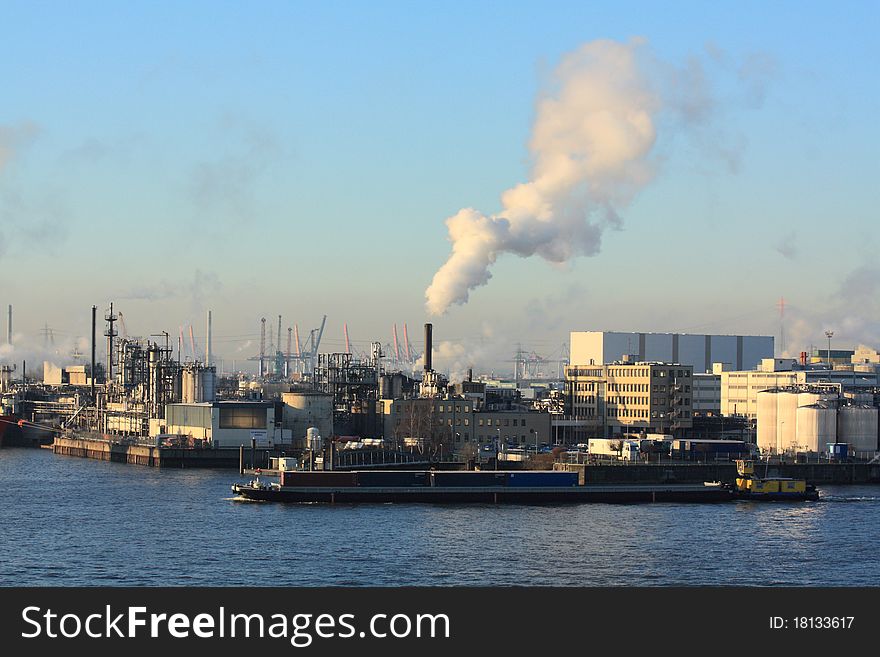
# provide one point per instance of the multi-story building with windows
(625, 397)
(456, 421)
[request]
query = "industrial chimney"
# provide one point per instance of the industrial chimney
(428, 347)
(9, 326)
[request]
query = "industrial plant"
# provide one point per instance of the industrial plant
(625, 397)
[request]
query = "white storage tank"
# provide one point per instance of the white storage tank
(860, 398)
(767, 400)
(858, 428)
(786, 421)
(816, 427)
(313, 439)
(192, 386)
(808, 398)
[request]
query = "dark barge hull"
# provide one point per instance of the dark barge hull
(486, 494)
(808, 496)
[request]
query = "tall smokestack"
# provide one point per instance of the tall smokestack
(208, 355)
(110, 333)
(94, 347)
(9, 326)
(428, 347)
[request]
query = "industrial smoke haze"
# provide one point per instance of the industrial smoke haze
(590, 146)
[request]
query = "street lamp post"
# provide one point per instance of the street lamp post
(535, 431)
(829, 335)
(497, 448)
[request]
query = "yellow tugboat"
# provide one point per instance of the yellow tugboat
(751, 487)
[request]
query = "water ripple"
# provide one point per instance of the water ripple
(68, 521)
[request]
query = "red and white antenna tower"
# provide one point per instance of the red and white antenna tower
(192, 342)
(406, 348)
(396, 345)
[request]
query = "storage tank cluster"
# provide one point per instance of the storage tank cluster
(199, 384)
(807, 421)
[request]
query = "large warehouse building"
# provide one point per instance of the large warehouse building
(739, 352)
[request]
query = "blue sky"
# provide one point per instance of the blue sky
(301, 158)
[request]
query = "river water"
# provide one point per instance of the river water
(70, 521)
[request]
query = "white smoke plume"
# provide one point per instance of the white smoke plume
(591, 143)
(13, 138)
(852, 311)
(489, 351)
(62, 351)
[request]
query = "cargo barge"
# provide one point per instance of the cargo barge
(439, 487)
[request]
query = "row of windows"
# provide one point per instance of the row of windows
(458, 422)
(574, 372)
(628, 400)
(628, 371)
(448, 408)
(466, 437)
(672, 373)
(628, 387)
(632, 372)
(481, 422)
(628, 412)
(507, 422)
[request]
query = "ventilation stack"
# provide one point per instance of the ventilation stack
(428, 347)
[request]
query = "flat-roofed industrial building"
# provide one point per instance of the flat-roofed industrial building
(738, 352)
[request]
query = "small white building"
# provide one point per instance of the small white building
(226, 424)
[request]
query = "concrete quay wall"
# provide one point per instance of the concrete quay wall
(160, 457)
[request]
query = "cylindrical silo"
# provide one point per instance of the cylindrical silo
(858, 428)
(313, 439)
(808, 398)
(190, 387)
(786, 421)
(816, 427)
(385, 387)
(767, 400)
(209, 390)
